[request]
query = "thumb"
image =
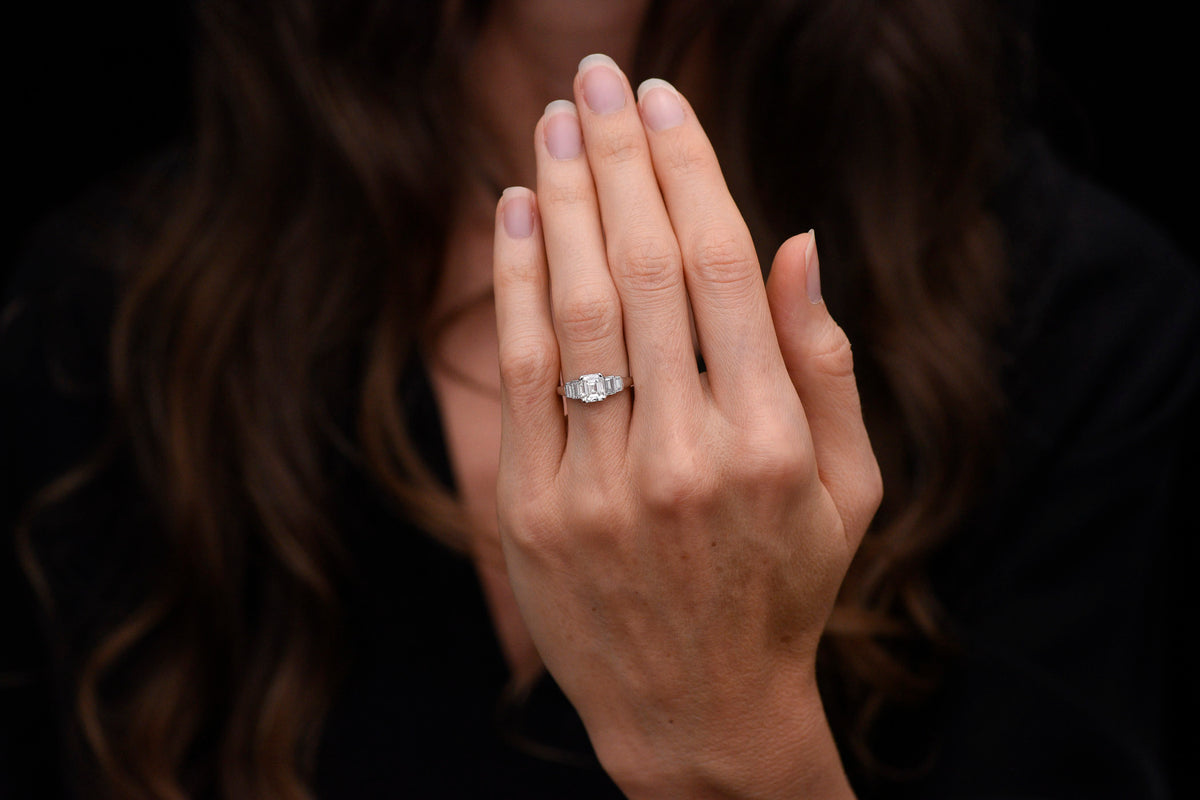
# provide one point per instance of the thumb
(819, 362)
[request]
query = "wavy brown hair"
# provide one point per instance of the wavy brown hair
(263, 329)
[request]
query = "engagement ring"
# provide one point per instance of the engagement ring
(595, 387)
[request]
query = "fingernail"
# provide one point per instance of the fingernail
(603, 90)
(563, 138)
(517, 212)
(661, 108)
(812, 269)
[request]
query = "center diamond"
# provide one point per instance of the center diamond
(592, 388)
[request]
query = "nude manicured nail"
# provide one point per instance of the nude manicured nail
(563, 137)
(661, 107)
(812, 269)
(517, 212)
(603, 90)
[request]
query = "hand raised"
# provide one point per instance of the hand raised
(675, 549)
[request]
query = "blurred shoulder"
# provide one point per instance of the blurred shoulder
(1104, 309)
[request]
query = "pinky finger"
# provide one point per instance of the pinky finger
(533, 428)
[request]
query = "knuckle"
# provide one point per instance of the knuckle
(591, 509)
(517, 269)
(676, 478)
(832, 354)
(872, 493)
(595, 513)
(686, 158)
(772, 459)
(723, 257)
(565, 194)
(648, 263)
(527, 366)
(588, 314)
(620, 146)
(527, 525)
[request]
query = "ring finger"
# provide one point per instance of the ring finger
(585, 303)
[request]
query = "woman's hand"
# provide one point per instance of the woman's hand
(675, 549)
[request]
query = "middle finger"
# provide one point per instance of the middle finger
(643, 254)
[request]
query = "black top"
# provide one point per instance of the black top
(1058, 583)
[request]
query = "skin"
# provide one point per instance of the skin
(670, 554)
(525, 56)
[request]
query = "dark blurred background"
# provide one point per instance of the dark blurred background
(91, 86)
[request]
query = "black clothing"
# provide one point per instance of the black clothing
(1056, 583)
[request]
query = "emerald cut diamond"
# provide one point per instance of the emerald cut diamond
(592, 388)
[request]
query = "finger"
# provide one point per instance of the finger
(724, 282)
(586, 307)
(533, 432)
(817, 355)
(642, 252)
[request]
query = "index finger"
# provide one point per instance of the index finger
(643, 256)
(724, 281)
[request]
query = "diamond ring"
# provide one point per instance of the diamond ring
(595, 387)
